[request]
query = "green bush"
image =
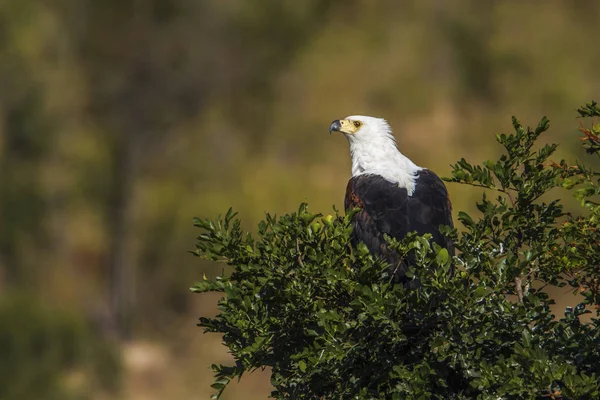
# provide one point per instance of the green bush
(331, 323)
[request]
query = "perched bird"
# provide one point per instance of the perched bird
(395, 195)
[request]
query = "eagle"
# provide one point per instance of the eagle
(395, 196)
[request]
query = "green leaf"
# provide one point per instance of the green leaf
(302, 365)
(442, 257)
(465, 219)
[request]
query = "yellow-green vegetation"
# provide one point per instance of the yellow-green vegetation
(122, 119)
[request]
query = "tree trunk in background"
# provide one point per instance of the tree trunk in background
(121, 265)
(25, 135)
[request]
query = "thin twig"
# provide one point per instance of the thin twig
(491, 188)
(512, 201)
(299, 254)
(503, 190)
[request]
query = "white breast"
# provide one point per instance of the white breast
(386, 161)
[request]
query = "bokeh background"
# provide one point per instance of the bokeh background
(120, 120)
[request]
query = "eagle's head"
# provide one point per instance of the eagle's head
(373, 150)
(360, 128)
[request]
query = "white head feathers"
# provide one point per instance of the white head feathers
(373, 150)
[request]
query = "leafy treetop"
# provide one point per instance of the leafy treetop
(331, 324)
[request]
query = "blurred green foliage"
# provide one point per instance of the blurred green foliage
(330, 322)
(121, 119)
(50, 354)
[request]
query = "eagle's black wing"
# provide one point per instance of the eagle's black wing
(386, 208)
(429, 208)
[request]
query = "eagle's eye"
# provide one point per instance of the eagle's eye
(357, 124)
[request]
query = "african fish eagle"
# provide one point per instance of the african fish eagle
(394, 194)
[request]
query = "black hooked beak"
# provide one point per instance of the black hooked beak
(335, 126)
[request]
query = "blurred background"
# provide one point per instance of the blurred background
(120, 120)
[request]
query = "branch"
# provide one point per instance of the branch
(299, 254)
(503, 190)
(512, 201)
(490, 188)
(530, 277)
(519, 288)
